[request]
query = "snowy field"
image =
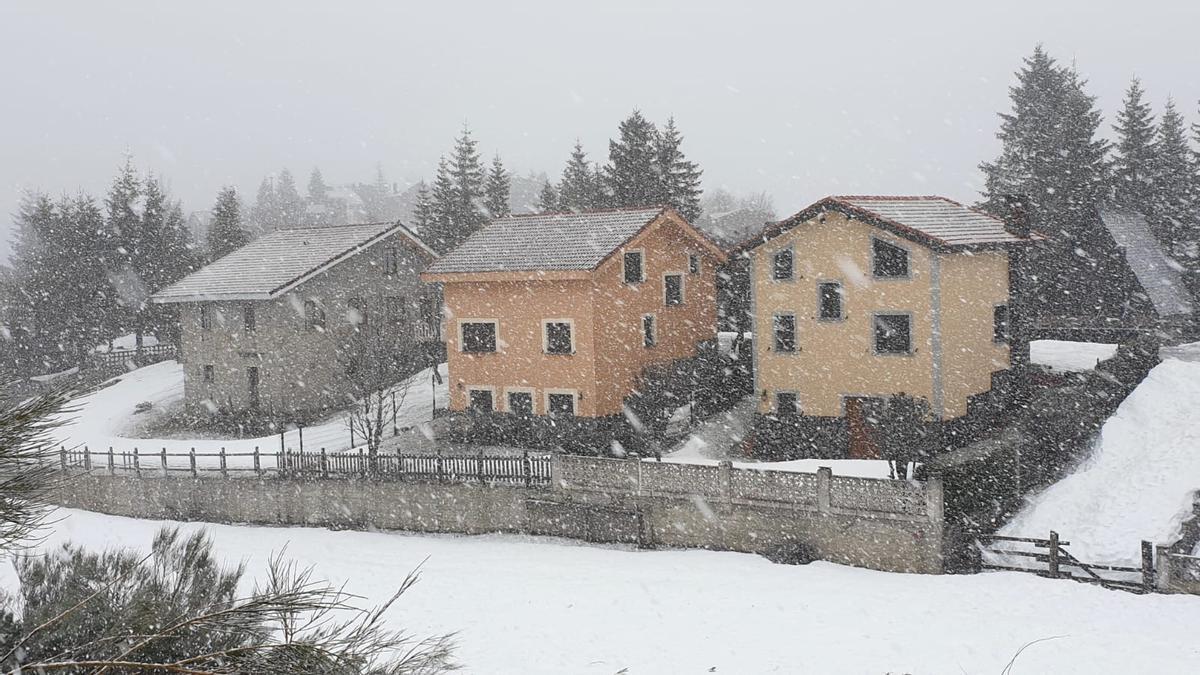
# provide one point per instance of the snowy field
(1139, 480)
(1069, 356)
(526, 605)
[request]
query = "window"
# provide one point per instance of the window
(888, 261)
(556, 337)
(693, 263)
(648, 331)
(830, 299)
(205, 318)
(786, 404)
(357, 312)
(480, 400)
(478, 337)
(520, 403)
(782, 265)
(314, 316)
(249, 320)
(560, 404)
(391, 261)
(673, 290)
(430, 314)
(893, 334)
(634, 269)
(785, 333)
(210, 374)
(396, 307)
(1000, 324)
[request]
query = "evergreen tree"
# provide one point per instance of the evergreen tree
(1133, 166)
(580, 188)
(423, 213)
(266, 215)
(440, 235)
(318, 190)
(1174, 210)
(632, 175)
(376, 197)
(287, 197)
(127, 250)
(225, 233)
(681, 177)
(548, 199)
(458, 192)
(496, 187)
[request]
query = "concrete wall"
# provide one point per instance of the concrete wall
(880, 524)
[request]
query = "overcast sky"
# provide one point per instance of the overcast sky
(799, 101)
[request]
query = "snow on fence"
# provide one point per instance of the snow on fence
(128, 359)
(532, 470)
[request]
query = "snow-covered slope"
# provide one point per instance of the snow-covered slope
(1069, 356)
(1139, 480)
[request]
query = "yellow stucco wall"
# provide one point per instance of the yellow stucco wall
(835, 359)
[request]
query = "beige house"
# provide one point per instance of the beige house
(559, 313)
(857, 298)
(260, 326)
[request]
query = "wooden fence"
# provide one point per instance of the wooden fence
(526, 469)
(120, 359)
(1050, 558)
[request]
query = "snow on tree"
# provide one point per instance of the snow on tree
(496, 187)
(547, 198)
(318, 190)
(266, 214)
(680, 176)
(1136, 150)
(225, 233)
(291, 204)
(423, 213)
(633, 174)
(1174, 212)
(580, 188)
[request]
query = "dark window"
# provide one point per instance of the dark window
(786, 404)
(633, 267)
(893, 334)
(831, 300)
(1000, 323)
(785, 333)
(249, 319)
(558, 337)
(205, 318)
(888, 261)
(210, 374)
(673, 290)
(520, 403)
(478, 337)
(397, 310)
(693, 263)
(561, 404)
(314, 316)
(648, 330)
(782, 268)
(430, 314)
(481, 400)
(391, 261)
(358, 312)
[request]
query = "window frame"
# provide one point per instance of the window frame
(573, 393)
(908, 262)
(530, 391)
(775, 333)
(875, 336)
(653, 334)
(795, 412)
(391, 261)
(693, 261)
(641, 253)
(462, 345)
(682, 291)
(249, 318)
(488, 389)
(570, 323)
(841, 290)
(790, 250)
(205, 318)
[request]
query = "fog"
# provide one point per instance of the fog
(799, 101)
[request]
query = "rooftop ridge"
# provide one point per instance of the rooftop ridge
(585, 212)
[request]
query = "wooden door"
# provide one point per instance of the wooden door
(862, 441)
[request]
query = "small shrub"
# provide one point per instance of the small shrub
(792, 553)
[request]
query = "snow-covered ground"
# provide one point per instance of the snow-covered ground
(526, 605)
(1069, 356)
(1139, 480)
(106, 417)
(128, 342)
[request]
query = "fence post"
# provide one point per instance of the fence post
(163, 455)
(526, 468)
(137, 464)
(300, 433)
(62, 457)
(87, 459)
(112, 468)
(725, 479)
(362, 466)
(824, 485)
(438, 468)
(324, 464)
(556, 482)
(479, 466)
(192, 461)
(257, 463)
(1052, 562)
(224, 469)
(1147, 566)
(935, 500)
(1162, 581)
(351, 434)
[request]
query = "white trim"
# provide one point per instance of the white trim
(642, 253)
(546, 336)
(521, 390)
(653, 330)
(494, 322)
(573, 393)
(682, 290)
(480, 387)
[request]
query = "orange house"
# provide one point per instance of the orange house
(559, 313)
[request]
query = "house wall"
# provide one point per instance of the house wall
(298, 368)
(607, 315)
(972, 286)
(835, 359)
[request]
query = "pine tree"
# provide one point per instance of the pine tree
(1133, 166)
(496, 188)
(579, 189)
(548, 199)
(377, 196)
(287, 197)
(225, 233)
(681, 177)
(423, 213)
(467, 174)
(440, 235)
(266, 214)
(1174, 209)
(318, 190)
(632, 174)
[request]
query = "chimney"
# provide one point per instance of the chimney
(1018, 218)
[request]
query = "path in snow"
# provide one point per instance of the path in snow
(527, 605)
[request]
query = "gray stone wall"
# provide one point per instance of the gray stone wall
(879, 524)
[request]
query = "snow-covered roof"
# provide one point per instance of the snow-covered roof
(934, 221)
(1158, 275)
(280, 260)
(546, 241)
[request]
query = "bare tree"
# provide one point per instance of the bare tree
(378, 364)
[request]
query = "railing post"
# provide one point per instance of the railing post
(824, 487)
(725, 476)
(1162, 581)
(87, 459)
(62, 457)
(257, 463)
(1147, 566)
(362, 467)
(527, 468)
(163, 455)
(1052, 562)
(935, 497)
(112, 468)
(137, 464)
(324, 464)
(224, 468)
(479, 466)
(192, 461)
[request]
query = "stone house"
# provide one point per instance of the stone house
(855, 299)
(260, 327)
(559, 313)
